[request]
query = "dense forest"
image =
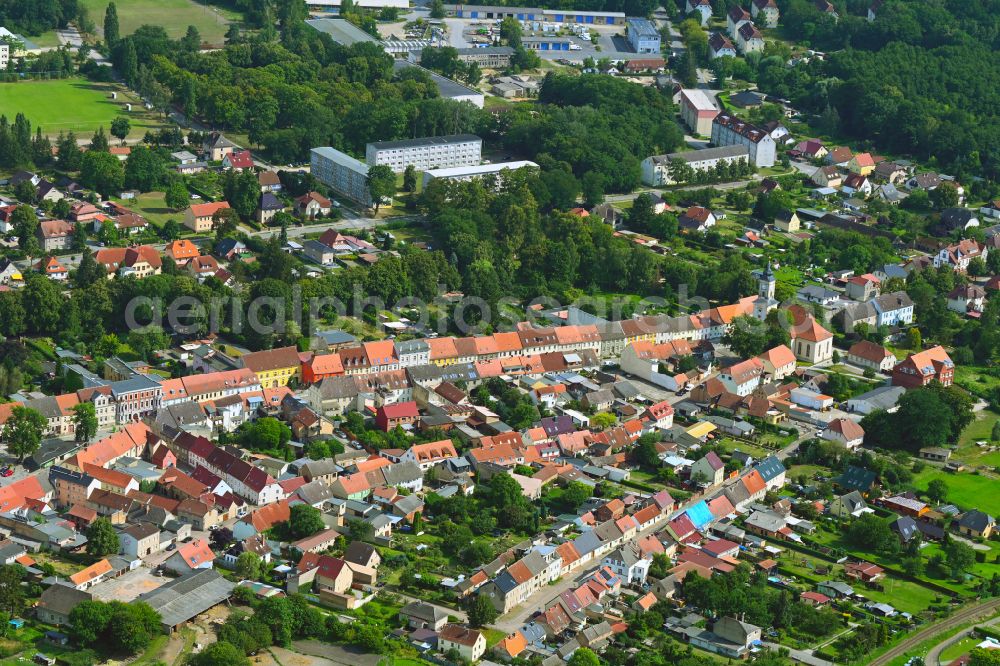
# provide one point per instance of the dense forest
(32, 17)
(922, 78)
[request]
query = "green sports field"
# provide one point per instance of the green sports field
(174, 15)
(66, 104)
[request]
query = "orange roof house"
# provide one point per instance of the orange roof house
(181, 251)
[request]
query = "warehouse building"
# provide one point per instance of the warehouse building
(341, 31)
(186, 597)
(642, 35)
(342, 173)
(435, 152)
(493, 57)
(471, 172)
(334, 5)
(535, 14)
(656, 168)
(547, 43)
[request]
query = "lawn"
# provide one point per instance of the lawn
(965, 490)
(980, 430)
(975, 379)
(731, 445)
(901, 594)
(152, 206)
(959, 648)
(67, 104)
(173, 15)
(46, 39)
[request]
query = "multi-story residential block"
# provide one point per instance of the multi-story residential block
(135, 398)
(642, 35)
(656, 169)
(4, 54)
(698, 110)
(201, 217)
(71, 487)
(273, 367)
(55, 235)
(342, 173)
(413, 353)
(729, 130)
(922, 368)
(436, 152)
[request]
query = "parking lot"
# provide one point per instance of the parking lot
(605, 41)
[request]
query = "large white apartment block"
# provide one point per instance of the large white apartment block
(342, 173)
(656, 168)
(434, 152)
(4, 55)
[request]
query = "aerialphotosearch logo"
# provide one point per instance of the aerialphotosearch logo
(466, 315)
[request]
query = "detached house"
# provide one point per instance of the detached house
(469, 643)
(312, 205)
(742, 378)
(217, 146)
(697, 218)
(845, 431)
(827, 176)
(749, 38)
(779, 362)
(736, 19)
(703, 7)
(967, 298)
(201, 217)
(765, 12)
(975, 523)
(867, 354)
(959, 255)
(709, 467)
(719, 46)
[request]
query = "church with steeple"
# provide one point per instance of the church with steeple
(765, 302)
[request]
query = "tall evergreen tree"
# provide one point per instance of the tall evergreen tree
(99, 143)
(111, 30)
(130, 64)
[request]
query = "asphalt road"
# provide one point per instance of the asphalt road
(933, 657)
(968, 613)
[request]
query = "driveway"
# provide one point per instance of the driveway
(455, 36)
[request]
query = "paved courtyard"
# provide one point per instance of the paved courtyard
(129, 586)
